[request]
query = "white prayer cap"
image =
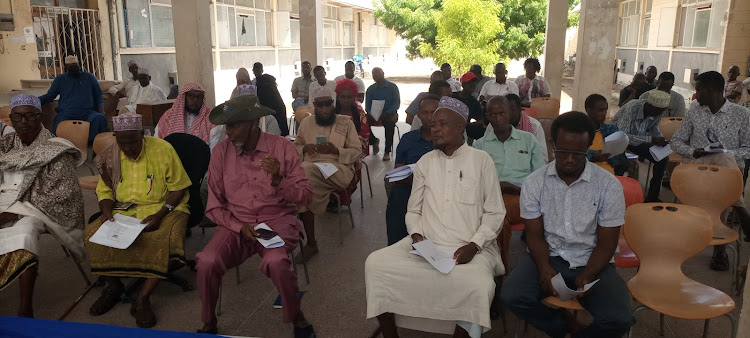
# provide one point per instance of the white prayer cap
(658, 98)
(143, 71)
(70, 59)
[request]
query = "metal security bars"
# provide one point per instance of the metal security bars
(64, 31)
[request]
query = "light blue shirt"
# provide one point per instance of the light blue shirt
(571, 213)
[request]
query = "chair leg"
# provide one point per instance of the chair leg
(398, 131)
(237, 269)
(304, 263)
(630, 332)
(369, 182)
(733, 322)
(648, 178)
(737, 265)
(338, 210)
(518, 328)
(705, 328)
(361, 195)
(80, 269)
(733, 267)
(218, 306)
(661, 324)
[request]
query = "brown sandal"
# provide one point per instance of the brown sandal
(144, 316)
(109, 298)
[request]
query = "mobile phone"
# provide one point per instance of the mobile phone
(321, 139)
(266, 234)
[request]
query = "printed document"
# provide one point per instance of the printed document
(440, 258)
(119, 234)
(659, 153)
(615, 144)
(566, 293)
(327, 169)
(376, 109)
(274, 242)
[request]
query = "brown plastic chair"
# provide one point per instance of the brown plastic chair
(546, 107)
(714, 189)
(547, 126)
(663, 236)
(5, 115)
(668, 126)
(101, 142)
(76, 132)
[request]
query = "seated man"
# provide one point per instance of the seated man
(639, 119)
(119, 92)
(80, 98)
(325, 138)
(255, 177)
(676, 102)
(596, 108)
(301, 86)
(438, 87)
(455, 203)
(143, 177)
(411, 148)
(573, 211)
(637, 87)
(712, 118)
(501, 85)
(475, 130)
(39, 192)
(189, 114)
(523, 122)
(349, 74)
(516, 154)
(144, 92)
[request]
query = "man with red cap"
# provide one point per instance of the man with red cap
(475, 130)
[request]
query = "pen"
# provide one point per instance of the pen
(460, 175)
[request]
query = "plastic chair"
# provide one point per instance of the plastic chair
(664, 235)
(5, 115)
(546, 107)
(101, 142)
(343, 197)
(714, 189)
(77, 132)
(668, 126)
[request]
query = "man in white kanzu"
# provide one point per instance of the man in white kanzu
(456, 203)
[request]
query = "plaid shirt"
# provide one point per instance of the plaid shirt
(630, 120)
(730, 126)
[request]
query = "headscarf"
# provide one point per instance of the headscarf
(173, 120)
(243, 74)
(525, 123)
(345, 84)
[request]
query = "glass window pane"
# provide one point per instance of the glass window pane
(163, 29)
(137, 23)
(294, 30)
(295, 6)
(646, 27)
(649, 4)
(226, 26)
(246, 30)
(246, 3)
(43, 2)
(700, 30)
(348, 41)
(269, 29)
(260, 29)
(73, 3)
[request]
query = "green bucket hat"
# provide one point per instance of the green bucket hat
(240, 108)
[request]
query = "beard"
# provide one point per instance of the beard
(325, 121)
(74, 71)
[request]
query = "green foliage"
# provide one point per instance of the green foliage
(463, 40)
(522, 24)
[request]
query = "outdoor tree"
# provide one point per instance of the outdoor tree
(523, 23)
(463, 40)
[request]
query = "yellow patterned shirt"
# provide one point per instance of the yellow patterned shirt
(147, 180)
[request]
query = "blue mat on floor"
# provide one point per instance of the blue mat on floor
(27, 327)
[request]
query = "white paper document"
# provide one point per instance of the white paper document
(615, 144)
(566, 293)
(659, 153)
(119, 234)
(399, 173)
(274, 242)
(439, 258)
(327, 169)
(376, 109)
(715, 148)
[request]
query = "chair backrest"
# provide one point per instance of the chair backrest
(632, 190)
(710, 187)
(669, 125)
(5, 115)
(663, 236)
(302, 113)
(102, 141)
(76, 132)
(195, 156)
(529, 111)
(546, 107)
(547, 126)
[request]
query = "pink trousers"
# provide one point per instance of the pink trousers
(228, 249)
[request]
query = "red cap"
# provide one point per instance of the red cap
(468, 76)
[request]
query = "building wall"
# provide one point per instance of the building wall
(628, 56)
(18, 59)
(736, 47)
(685, 60)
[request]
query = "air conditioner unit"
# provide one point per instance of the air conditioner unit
(690, 75)
(639, 67)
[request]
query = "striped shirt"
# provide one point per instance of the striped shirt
(639, 128)
(730, 126)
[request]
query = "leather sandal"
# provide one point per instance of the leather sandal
(144, 316)
(109, 298)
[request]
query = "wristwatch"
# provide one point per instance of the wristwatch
(479, 248)
(169, 207)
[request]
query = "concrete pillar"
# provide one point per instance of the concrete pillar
(311, 32)
(554, 46)
(595, 58)
(192, 39)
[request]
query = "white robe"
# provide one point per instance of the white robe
(455, 200)
(148, 94)
(125, 85)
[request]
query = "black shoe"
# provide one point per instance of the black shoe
(304, 332)
(666, 184)
(652, 200)
(720, 262)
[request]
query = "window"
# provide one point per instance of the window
(629, 22)
(243, 23)
(645, 30)
(294, 30)
(148, 23)
(348, 34)
(702, 22)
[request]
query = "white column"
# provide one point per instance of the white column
(554, 46)
(595, 54)
(311, 31)
(192, 39)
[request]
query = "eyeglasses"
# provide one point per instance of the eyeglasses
(321, 104)
(17, 117)
(566, 153)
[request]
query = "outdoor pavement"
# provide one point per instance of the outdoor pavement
(334, 301)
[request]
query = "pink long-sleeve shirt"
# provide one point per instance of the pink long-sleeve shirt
(240, 191)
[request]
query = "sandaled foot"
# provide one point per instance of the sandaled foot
(304, 332)
(720, 261)
(308, 252)
(109, 298)
(144, 316)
